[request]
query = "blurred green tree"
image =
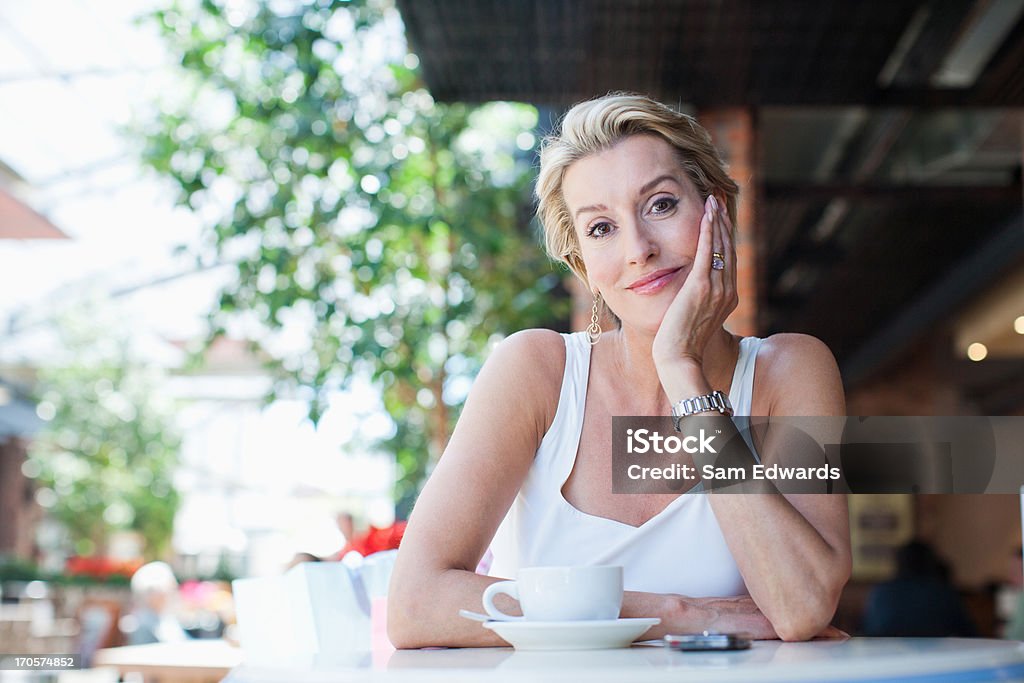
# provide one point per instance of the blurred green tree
(106, 458)
(388, 233)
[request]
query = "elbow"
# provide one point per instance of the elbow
(400, 628)
(799, 627)
(805, 621)
(795, 634)
(402, 634)
(813, 608)
(404, 625)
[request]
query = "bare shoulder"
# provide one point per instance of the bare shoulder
(536, 349)
(526, 368)
(791, 351)
(800, 376)
(529, 357)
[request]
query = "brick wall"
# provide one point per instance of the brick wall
(18, 511)
(732, 130)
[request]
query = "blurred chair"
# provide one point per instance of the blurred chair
(98, 622)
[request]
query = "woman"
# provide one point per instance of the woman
(635, 200)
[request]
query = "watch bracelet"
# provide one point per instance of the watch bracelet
(716, 401)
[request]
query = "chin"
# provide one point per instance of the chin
(646, 324)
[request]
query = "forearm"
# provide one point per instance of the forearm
(680, 614)
(791, 572)
(424, 611)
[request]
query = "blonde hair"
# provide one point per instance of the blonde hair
(599, 124)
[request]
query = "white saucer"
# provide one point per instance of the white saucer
(571, 635)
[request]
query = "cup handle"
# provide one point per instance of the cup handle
(508, 588)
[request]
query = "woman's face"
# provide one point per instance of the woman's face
(637, 218)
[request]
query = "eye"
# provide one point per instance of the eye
(663, 205)
(599, 230)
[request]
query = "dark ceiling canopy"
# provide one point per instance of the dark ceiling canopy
(711, 53)
(888, 134)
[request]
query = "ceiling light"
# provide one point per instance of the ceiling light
(979, 39)
(977, 351)
(1018, 325)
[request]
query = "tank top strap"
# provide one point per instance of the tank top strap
(557, 452)
(741, 393)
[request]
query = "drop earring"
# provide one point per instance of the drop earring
(594, 329)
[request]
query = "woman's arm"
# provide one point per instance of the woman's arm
(508, 411)
(680, 614)
(792, 550)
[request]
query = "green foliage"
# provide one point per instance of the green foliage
(105, 460)
(390, 230)
(15, 569)
(18, 569)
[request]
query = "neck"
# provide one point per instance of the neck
(634, 362)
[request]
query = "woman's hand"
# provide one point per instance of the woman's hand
(680, 614)
(730, 615)
(706, 298)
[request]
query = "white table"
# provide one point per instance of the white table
(914, 660)
(190, 661)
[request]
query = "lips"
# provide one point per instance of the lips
(653, 282)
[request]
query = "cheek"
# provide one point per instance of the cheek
(690, 231)
(600, 271)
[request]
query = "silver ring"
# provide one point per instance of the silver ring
(717, 261)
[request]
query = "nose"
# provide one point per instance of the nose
(640, 244)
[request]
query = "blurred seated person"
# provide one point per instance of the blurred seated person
(301, 558)
(346, 525)
(1010, 599)
(919, 600)
(153, 620)
(374, 540)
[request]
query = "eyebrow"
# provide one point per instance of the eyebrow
(592, 207)
(654, 183)
(643, 190)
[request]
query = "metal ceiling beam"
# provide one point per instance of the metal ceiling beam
(826, 191)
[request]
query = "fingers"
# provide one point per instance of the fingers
(719, 276)
(723, 237)
(727, 248)
(705, 240)
(716, 233)
(728, 240)
(832, 633)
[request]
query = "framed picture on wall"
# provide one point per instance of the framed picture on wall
(879, 525)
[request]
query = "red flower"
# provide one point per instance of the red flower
(101, 567)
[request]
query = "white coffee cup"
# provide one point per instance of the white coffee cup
(560, 594)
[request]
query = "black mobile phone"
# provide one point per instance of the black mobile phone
(703, 642)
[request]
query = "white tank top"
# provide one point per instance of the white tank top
(680, 550)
